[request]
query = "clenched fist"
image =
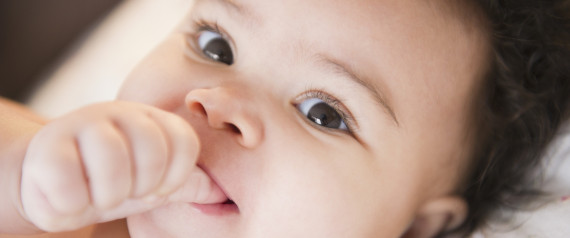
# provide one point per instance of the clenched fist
(108, 161)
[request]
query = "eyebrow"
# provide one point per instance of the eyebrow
(233, 6)
(348, 73)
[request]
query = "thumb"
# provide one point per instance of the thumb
(199, 188)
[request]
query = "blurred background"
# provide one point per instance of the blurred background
(57, 55)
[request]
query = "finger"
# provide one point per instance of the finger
(184, 148)
(45, 217)
(149, 149)
(56, 168)
(37, 207)
(199, 188)
(130, 207)
(107, 164)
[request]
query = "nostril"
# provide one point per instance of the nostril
(234, 128)
(199, 108)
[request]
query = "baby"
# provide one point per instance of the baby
(312, 118)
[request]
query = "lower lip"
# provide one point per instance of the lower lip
(218, 209)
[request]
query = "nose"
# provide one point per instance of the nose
(230, 110)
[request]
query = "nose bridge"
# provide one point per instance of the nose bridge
(231, 109)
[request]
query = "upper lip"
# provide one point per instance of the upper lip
(216, 181)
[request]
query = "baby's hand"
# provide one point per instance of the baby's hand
(108, 161)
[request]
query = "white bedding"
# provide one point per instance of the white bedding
(95, 69)
(553, 218)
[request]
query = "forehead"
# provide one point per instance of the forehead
(362, 12)
(381, 26)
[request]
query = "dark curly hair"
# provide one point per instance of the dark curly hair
(523, 102)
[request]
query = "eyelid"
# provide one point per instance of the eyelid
(199, 26)
(203, 25)
(334, 103)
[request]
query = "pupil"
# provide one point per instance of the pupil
(219, 50)
(324, 115)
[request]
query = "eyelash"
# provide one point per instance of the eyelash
(198, 26)
(203, 25)
(334, 103)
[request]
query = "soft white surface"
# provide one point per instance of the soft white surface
(553, 218)
(96, 68)
(558, 168)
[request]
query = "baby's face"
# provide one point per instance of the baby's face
(334, 119)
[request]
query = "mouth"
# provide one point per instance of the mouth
(229, 202)
(229, 207)
(224, 208)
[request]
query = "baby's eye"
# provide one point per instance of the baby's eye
(215, 47)
(322, 114)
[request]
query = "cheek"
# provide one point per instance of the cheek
(327, 193)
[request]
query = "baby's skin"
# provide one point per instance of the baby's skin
(301, 118)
